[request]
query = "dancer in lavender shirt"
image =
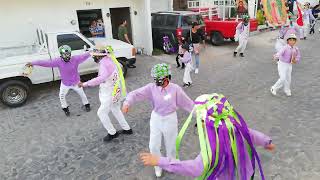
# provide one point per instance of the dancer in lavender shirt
(166, 98)
(107, 78)
(225, 168)
(187, 60)
(288, 55)
(70, 77)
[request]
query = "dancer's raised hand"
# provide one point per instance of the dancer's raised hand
(29, 64)
(80, 85)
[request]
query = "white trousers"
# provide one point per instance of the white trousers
(306, 28)
(166, 126)
(242, 44)
(106, 106)
(186, 75)
(284, 70)
(64, 91)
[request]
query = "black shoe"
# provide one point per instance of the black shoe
(183, 66)
(184, 85)
(109, 137)
(178, 66)
(235, 54)
(128, 132)
(241, 55)
(189, 84)
(305, 38)
(87, 107)
(66, 111)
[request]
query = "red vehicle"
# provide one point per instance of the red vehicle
(218, 29)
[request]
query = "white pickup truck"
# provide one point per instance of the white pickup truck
(15, 88)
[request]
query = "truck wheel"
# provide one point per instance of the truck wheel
(14, 93)
(217, 38)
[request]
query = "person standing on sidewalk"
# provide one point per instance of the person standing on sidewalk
(70, 77)
(112, 88)
(288, 55)
(242, 35)
(166, 98)
(195, 37)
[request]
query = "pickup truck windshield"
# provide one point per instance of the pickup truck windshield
(72, 40)
(189, 19)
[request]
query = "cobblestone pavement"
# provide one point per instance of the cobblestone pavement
(38, 142)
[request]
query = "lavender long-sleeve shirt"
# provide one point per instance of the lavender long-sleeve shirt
(68, 70)
(194, 168)
(164, 100)
(307, 15)
(243, 30)
(106, 68)
(286, 53)
(186, 57)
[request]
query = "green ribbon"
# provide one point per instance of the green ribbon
(206, 151)
(121, 79)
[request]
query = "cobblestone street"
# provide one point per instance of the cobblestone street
(38, 142)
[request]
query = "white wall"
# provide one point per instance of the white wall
(161, 5)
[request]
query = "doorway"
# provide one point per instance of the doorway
(118, 15)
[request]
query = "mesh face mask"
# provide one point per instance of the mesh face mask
(160, 72)
(65, 53)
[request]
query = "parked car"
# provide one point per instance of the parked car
(174, 24)
(15, 88)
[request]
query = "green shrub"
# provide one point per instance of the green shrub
(260, 17)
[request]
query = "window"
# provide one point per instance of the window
(72, 40)
(171, 21)
(91, 21)
(188, 20)
(158, 20)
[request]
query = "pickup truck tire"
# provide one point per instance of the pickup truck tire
(14, 93)
(216, 38)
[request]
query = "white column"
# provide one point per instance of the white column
(251, 8)
(170, 5)
(148, 32)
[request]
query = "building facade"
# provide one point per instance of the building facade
(20, 19)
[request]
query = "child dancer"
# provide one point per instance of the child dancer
(226, 143)
(187, 59)
(68, 67)
(242, 34)
(180, 53)
(307, 18)
(288, 55)
(166, 97)
(110, 79)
